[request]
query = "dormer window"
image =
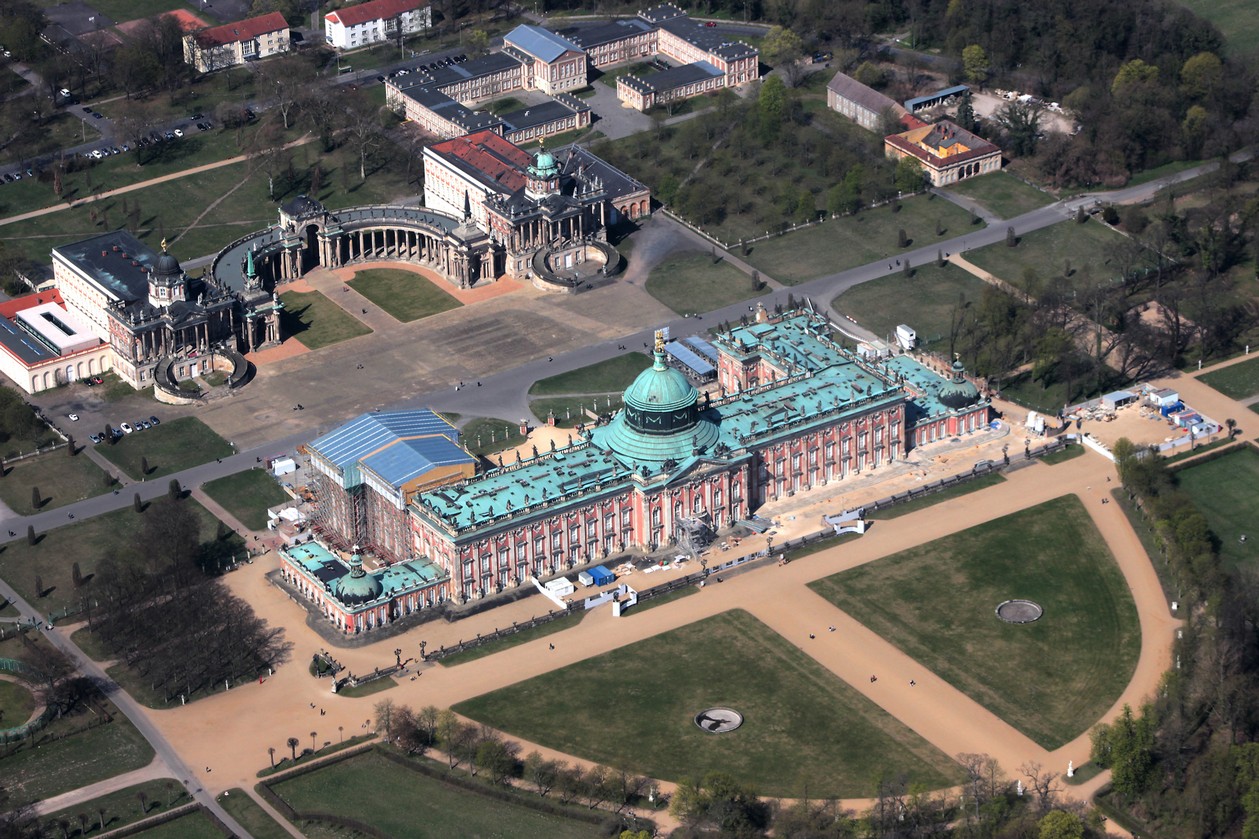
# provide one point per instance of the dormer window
(161, 292)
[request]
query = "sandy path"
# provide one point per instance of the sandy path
(156, 769)
(232, 731)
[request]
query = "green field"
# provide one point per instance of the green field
(842, 243)
(486, 435)
(610, 376)
(195, 825)
(75, 761)
(17, 704)
(247, 496)
(691, 282)
(87, 542)
(633, 708)
(253, 818)
(927, 301)
(1069, 453)
(316, 321)
(1237, 381)
(121, 808)
(1224, 490)
(374, 790)
(171, 447)
(405, 295)
(1091, 248)
(61, 480)
(1238, 20)
(1051, 679)
(1003, 194)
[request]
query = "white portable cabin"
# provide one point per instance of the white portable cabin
(561, 587)
(906, 337)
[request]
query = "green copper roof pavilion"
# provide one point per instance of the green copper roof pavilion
(358, 586)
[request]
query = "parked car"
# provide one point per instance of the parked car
(126, 428)
(98, 115)
(141, 425)
(179, 132)
(95, 438)
(155, 421)
(98, 380)
(65, 91)
(73, 417)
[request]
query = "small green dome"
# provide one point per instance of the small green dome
(958, 392)
(544, 165)
(661, 388)
(358, 586)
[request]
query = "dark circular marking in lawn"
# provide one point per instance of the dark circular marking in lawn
(1019, 611)
(719, 720)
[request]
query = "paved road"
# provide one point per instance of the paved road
(131, 710)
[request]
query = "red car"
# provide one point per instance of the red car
(710, 23)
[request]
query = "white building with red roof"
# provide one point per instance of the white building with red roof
(375, 21)
(235, 43)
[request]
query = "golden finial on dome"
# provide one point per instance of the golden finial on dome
(163, 244)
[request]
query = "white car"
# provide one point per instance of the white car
(179, 132)
(126, 428)
(96, 154)
(65, 91)
(73, 417)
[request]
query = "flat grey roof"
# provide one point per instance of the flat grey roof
(536, 115)
(117, 261)
(589, 37)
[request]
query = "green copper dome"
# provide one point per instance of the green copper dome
(358, 586)
(958, 392)
(660, 421)
(544, 165)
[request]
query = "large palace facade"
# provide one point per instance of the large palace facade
(795, 411)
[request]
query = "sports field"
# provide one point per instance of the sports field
(634, 707)
(1051, 679)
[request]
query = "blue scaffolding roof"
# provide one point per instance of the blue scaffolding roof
(683, 355)
(394, 445)
(702, 347)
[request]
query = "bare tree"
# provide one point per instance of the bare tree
(1041, 783)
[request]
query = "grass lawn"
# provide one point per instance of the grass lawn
(522, 637)
(1032, 394)
(1003, 194)
(570, 410)
(691, 282)
(614, 374)
(1090, 247)
(906, 507)
(121, 808)
(406, 295)
(17, 703)
(374, 790)
(86, 542)
(170, 447)
(1050, 679)
(1069, 453)
(1238, 20)
(195, 825)
(253, 818)
(633, 708)
(1224, 490)
(486, 435)
(61, 480)
(376, 686)
(75, 761)
(1237, 381)
(927, 301)
(676, 594)
(642, 70)
(247, 495)
(316, 321)
(839, 244)
(14, 446)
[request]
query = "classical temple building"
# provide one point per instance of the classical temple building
(946, 152)
(162, 326)
(795, 411)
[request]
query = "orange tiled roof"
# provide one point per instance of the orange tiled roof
(241, 30)
(10, 308)
(373, 10)
(496, 158)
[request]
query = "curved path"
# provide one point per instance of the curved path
(253, 717)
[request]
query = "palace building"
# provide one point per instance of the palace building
(946, 152)
(795, 411)
(162, 326)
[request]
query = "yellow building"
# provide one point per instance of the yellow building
(947, 152)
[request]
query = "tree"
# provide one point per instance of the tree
(384, 710)
(783, 49)
(540, 772)
(772, 108)
(144, 802)
(1231, 424)
(76, 575)
(39, 586)
(975, 64)
(30, 534)
(363, 129)
(909, 177)
(271, 754)
(293, 743)
(144, 466)
(1011, 240)
(37, 500)
(497, 759)
(966, 113)
(1201, 75)
(478, 41)
(174, 490)
(1133, 74)
(1059, 824)
(718, 801)
(136, 503)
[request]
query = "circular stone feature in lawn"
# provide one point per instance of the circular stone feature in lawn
(1019, 611)
(719, 720)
